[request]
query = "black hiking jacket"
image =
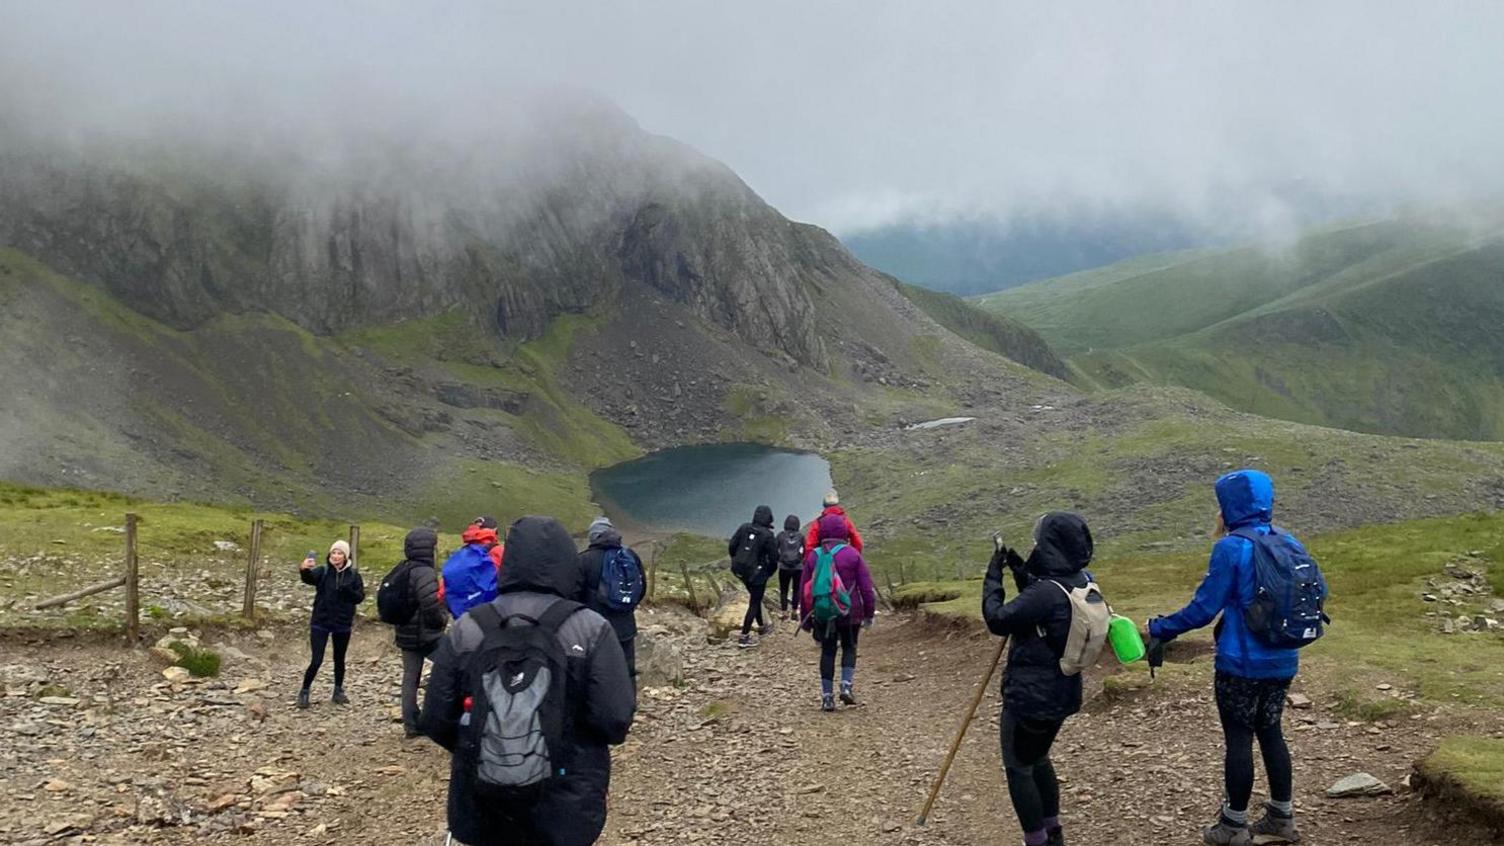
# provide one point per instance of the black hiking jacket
(541, 568)
(761, 528)
(792, 537)
(1037, 621)
(623, 622)
(426, 626)
(335, 595)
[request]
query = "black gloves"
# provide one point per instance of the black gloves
(1156, 654)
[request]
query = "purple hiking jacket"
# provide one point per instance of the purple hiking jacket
(851, 567)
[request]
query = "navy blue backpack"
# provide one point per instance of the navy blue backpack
(621, 587)
(1288, 608)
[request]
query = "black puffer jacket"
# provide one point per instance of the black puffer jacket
(623, 622)
(426, 626)
(335, 595)
(1033, 685)
(540, 569)
(760, 533)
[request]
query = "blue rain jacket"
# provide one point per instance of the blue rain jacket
(1247, 500)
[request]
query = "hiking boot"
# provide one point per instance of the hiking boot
(827, 702)
(339, 697)
(1056, 837)
(409, 732)
(764, 630)
(303, 699)
(745, 642)
(847, 697)
(1274, 827)
(1224, 833)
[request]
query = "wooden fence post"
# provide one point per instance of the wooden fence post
(689, 587)
(656, 550)
(132, 584)
(354, 542)
(252, 566)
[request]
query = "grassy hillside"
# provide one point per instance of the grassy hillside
(986, 329)
(1388, 327)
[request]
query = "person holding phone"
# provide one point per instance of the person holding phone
(338, 589)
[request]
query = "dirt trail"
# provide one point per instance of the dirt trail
(740, 753)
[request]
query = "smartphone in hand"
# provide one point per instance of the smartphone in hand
(309, 561)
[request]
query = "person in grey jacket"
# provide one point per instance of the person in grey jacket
(541, 570)
(419, 637)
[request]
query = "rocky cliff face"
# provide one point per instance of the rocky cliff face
(581, 208)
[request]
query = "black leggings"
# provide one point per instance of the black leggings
(844, 637)
(1253, 708)
(1026, 762)
(754, 606)
(788, 583)
(317, 638)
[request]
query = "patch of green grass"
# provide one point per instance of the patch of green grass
(198, 661)
(720, 709)
(1475, 764)
(54, 689)
(1353, 706)
(157, 613)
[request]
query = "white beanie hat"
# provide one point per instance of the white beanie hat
(342, 546)
(832, 498)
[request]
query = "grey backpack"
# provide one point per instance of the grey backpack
(518, 682)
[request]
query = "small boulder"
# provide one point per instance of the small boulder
(660, 661)
(1358, 784)
(1300, 701)
(176, 675)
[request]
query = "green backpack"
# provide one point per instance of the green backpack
(826, 595)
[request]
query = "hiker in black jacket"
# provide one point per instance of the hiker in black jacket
(338, 588)
(541, 571)
(754, 559)
(790, 564)
(419, 637)
(1037, 696)
(602, 537)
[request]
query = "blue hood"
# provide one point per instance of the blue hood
(1246, 497)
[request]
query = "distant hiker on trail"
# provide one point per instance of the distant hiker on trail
(470, 572)
(791, 551)
(482, 530)
(837, 600)
(1256, 648)
(528, 692)
(614, 584)
(1038, 692)
(337, 590)
(832, 508)
(414, 586)
(754, 558)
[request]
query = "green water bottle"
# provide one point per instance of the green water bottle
(1126, 642)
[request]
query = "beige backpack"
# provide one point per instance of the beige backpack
(1090, 618)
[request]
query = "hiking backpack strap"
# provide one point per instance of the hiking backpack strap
(553, 619)
(486, 617)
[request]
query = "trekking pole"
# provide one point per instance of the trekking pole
(966, 718)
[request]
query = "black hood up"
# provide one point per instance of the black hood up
(540, 558)
(1062, 545)
(763, 516)
(419, 545)
(791, 523)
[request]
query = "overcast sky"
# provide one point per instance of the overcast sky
(854, 114)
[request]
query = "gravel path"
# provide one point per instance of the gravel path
(101, 749)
